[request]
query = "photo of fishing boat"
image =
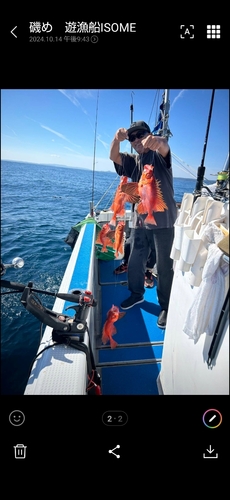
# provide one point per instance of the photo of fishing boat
(91, 347)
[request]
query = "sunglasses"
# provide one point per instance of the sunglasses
(138, 135)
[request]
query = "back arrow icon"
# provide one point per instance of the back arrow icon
(12, 31)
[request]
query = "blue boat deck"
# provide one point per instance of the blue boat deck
(133, 366)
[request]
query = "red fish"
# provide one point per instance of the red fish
(148, 189)
(119, 238)
(105, 237)
(109, 329)
(120, 198)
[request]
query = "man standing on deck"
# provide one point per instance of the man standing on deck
(151, 150)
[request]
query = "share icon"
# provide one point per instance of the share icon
(111, 451)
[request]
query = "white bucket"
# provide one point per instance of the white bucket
(212, 211)
(191, 243)
(182, 218)
(195, 274)
(183, 266)
(199, 205)
(187, 202)
(196, 221)
(178, 236)
(175, 254)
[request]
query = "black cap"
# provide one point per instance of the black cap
(140, 125)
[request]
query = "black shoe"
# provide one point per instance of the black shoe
(121, 269)
(162, 318)
(149, 281)
(132, 301)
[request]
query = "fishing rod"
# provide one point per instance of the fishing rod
(221, 192)
(218, 331)
(201, 169)
(67, 330)
(94, 161)
(61, 323)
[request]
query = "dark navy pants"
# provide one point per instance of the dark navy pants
(142, 242)
(151, 258)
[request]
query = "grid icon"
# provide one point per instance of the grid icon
(213, 31)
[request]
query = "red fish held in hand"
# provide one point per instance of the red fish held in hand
(105, 237)
(148, 189)
(119, 238)
(120, 198)
(109, 329)
(150, 194)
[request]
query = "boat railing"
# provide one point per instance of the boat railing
(106, 216)
(62, 369)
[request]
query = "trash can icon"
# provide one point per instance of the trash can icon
(20, 451)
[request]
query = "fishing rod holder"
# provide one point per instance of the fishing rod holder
(199, 182)
(62, 324)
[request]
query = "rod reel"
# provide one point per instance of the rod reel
(62, 324)
(17, 262)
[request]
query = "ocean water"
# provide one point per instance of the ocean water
(39, 205)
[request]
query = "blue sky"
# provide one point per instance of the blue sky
(57, 127)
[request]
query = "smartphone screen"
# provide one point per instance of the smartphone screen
(89, 386)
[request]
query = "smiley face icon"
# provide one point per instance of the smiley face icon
(17, 418)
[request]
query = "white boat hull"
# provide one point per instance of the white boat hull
(184, 368)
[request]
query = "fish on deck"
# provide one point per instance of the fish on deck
(109, 329)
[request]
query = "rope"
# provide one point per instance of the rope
(156, 116)
(183, 167)
(106, 191)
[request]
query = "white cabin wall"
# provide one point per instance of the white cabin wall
(184, 368)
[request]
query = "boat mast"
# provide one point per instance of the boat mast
(165, 116)
(161, 128)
